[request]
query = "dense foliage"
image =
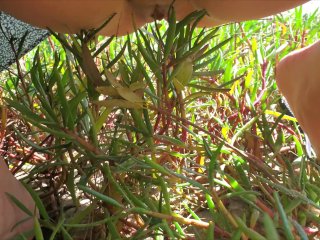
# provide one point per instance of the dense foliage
(172, 132)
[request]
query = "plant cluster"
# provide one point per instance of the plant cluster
(172, 132)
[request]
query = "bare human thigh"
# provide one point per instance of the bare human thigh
(70, 16)
(10, 214)
(298, 78)
(297, 74)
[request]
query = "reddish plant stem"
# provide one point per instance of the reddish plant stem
(29, 156)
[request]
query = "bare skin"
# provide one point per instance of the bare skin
(70, 16)
(298, 78)
(9, 212)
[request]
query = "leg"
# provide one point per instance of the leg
(298, 78)
(9, 212)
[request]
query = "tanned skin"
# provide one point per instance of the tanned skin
(70, 16)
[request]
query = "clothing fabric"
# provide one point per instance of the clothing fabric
(16, 39)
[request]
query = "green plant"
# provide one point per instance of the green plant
(171, 132)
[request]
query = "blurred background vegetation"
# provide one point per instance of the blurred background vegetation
(172, 132)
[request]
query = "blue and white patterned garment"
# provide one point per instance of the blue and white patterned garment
(16, 39)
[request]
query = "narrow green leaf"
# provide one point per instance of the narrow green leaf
(190, 18)
(103, 46)
(118, 57)
(19, 204)
(269, 228)
(285, 222)
(300, 230)
(164, 190)
(70, 183)
(37, 230)
(39, 204)
(114, 234)
(248, 231)
(293, 204)
(101, 196)
(213, 164)
(65, 111)
(171, 33)
(210, 231)
(80, 215)
(57, 228)
(94, 32)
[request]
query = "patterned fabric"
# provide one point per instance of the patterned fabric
(16, 39)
